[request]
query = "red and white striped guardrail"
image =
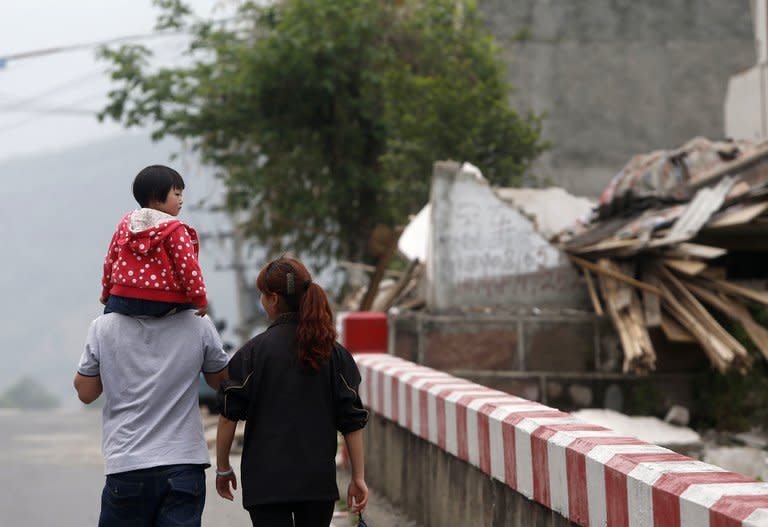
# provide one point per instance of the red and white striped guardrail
(587, 473)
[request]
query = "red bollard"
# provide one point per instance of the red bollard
(363, 332)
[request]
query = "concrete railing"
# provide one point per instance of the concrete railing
(588, 474)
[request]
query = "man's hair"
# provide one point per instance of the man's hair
(154, 182)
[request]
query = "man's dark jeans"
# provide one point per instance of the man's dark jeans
(154, 497)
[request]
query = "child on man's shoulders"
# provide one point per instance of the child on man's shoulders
(151, 267)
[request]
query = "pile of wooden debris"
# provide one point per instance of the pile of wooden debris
(680, 243)
(385, 288)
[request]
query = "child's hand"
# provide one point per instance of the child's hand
(201, 312)
(103, 300)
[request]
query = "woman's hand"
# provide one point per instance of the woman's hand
(357, 495)
(225, 485)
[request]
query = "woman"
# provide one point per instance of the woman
(295, 388)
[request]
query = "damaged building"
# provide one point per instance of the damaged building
(578, 303)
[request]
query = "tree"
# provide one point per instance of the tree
(28, 394)
(324, 116)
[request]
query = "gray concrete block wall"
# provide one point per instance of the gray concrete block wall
(619, 77)
(570, 361)
(436, 489)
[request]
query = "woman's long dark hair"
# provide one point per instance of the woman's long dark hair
(316, 332)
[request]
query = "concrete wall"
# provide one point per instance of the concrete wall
(619, 77)
(484, 252)
(746, 103)
(441, 490)
(453, 453)
(568, 359)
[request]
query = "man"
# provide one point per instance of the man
(152, 434)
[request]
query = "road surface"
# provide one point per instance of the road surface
(52, 474)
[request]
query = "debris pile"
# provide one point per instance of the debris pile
(679, 244)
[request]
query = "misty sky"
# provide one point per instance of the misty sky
(66, 180)
(44, 101)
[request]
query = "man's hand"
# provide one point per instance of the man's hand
(88, 388)
(225, 485)
(202, 311)
(357, 495)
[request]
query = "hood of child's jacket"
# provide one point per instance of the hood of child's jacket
(145, 229)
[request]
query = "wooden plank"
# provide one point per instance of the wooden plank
(378, 274)
(593, 293)
(625, 311)
(401, 284)
(695, 250)
(345, 264)
(713, 273)
(607, 246)
(413, 303)
(674, 331)
(652, 303)
(718, 353)
(757, 333)
(586, 264)
(737, 215)
(689, 301)
(737, 354)
(743, 162)
(645, 361)
(744, 292)
(689, 267)
(608, 289)
(623, 290)
(697, 213)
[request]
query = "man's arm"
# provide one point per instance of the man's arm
(88, 388)
(214, 379)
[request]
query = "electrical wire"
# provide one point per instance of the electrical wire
(36, 53)
(86, 45)
(48, 113)
(55, 89)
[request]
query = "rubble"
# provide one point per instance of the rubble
(645, 428)
(478, 247)
(677, 245)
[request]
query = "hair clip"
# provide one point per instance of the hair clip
(291, 288)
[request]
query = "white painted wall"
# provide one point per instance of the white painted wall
(484, 252)
(746, 100)
(745, 115)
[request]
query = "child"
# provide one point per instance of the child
(151, 266)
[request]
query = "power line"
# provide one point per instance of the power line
(57, 88)
(52, 110)
(85, 45)
(31, 54)
(46, 113)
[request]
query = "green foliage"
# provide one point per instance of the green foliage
(736, 401)
(325, 116)
(645, 398)
(28, 394)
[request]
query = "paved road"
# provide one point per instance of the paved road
(52, 474)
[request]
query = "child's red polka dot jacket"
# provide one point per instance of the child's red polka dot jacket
(154, 256)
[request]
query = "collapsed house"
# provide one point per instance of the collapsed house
(575, 303)
(678, 244)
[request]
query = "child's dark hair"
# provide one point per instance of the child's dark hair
(154, 182)
(316, 332)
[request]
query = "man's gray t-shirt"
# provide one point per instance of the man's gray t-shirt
(150, 369)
